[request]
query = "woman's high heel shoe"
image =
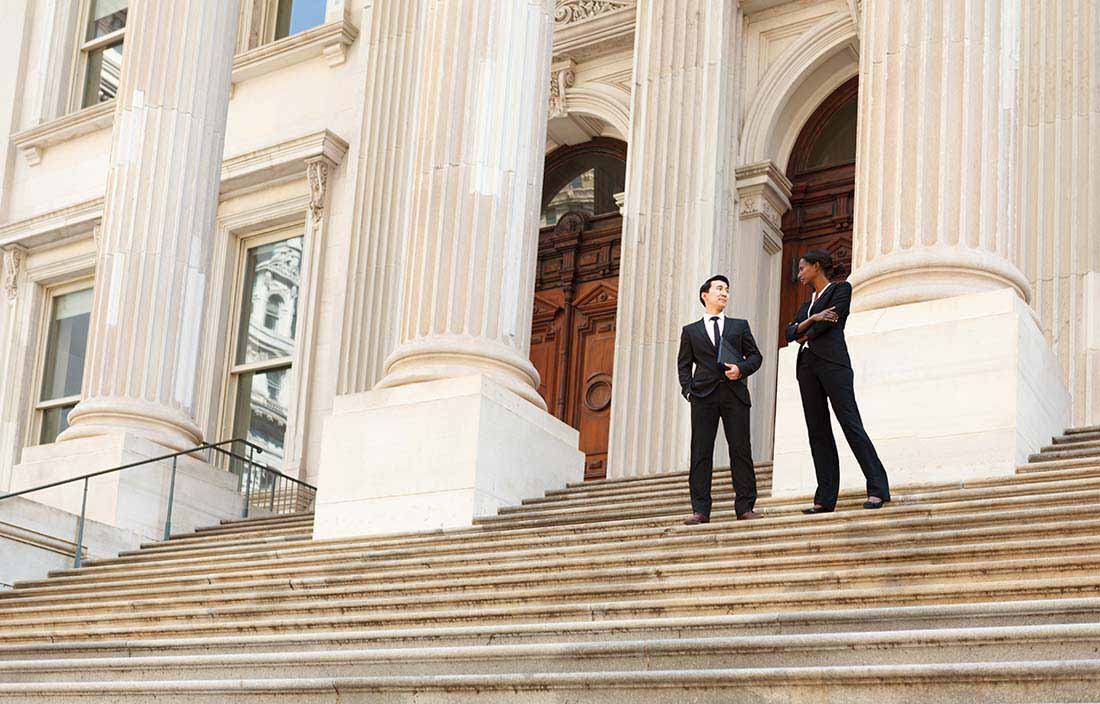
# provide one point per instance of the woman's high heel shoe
(816, 509)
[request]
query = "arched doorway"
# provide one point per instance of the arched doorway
(576, 289)
(822, 170)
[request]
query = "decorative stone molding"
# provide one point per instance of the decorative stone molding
(70, 222)
(317, 175)
(562, 77)
(573, 11)
(32, 142)
(329, 40)
(13, 265)
(280, 162)
(620, 201)
(765, 192)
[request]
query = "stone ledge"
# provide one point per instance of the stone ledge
(33, 141)
(330, 40)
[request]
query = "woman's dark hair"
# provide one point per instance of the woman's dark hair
(821, 258)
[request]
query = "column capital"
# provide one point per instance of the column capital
(765, 193)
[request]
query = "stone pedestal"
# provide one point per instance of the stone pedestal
(135, 499)
(436, 455)
(951, 389)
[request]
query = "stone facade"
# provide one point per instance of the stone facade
(406, 155)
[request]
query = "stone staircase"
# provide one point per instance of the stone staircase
(976, 591)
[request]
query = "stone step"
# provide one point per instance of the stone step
(1073, 444)
(973, 587)
(1083, 430)
(245, 529)
(1080, 437)
(1082, 550)
(1061, 642)
(792, 524)
(261, 520)
(754, 624)
(918, 539)
(1072, 574)
(1057, 465)
(641, 483)
(1006, 682)
(1067, 453)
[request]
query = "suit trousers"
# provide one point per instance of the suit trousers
(706, 411)
(823, 383)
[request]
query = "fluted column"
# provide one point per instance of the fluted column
(477, 180)
(1060, 188)
(679, 224)
(158, 224)
(937, 162)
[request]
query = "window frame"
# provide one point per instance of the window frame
(39, 407)
(235, 371)
(84, 48)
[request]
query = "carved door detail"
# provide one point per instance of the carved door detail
(573, 331)
(822, 170)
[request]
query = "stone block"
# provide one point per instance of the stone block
(436, 455)
(952, 389)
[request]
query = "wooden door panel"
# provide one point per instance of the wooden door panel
(546, 343)
(593, 357)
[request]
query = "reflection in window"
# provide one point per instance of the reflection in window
(294, 16)
(63, 373)
(836, 143)
(102, 50)
(265, 345)
(591, 189)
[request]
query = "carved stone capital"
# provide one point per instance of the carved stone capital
(573, 11)
(765, 193)
(562, 77)
(13, 265)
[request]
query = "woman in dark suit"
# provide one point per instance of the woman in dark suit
(824, 378)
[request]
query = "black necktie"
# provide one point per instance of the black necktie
(717, 337)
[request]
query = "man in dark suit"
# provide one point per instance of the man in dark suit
(723, 354)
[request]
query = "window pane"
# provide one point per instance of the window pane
(261, 412)
(67, 342)
(269, 313)
(577, 195)
(837, 142)
(54, 421)
(296, 16)
(107, 16)
(104, 71)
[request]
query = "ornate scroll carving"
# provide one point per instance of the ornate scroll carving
(562, 77)
(572, 11)
(317, 175)
(13, 264)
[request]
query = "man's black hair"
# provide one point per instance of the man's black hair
(706, 286)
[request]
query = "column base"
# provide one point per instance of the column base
(949, 390)
(134, 499)
(436, 455)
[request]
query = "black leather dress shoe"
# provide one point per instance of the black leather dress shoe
(874, 504)
(696, 519)
(816, 509)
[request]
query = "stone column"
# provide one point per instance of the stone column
(937, 158)
(679, 221)
(455, 428)
(477, 182)
(158, 224)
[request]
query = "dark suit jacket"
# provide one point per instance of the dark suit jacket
(827, 339)
(697, 349)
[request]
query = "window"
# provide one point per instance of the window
(264, 343)
(63, 368)
(101, 50)
(836, 142)
(582, 178)
(295, 16)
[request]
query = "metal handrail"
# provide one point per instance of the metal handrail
(174, 457)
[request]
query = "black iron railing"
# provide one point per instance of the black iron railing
(262, 488)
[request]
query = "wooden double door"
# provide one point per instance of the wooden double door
(573, 329)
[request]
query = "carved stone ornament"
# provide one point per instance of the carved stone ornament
(13, 263)
(562, 78)
(572, 11)
(758, 205)
(317, 174)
